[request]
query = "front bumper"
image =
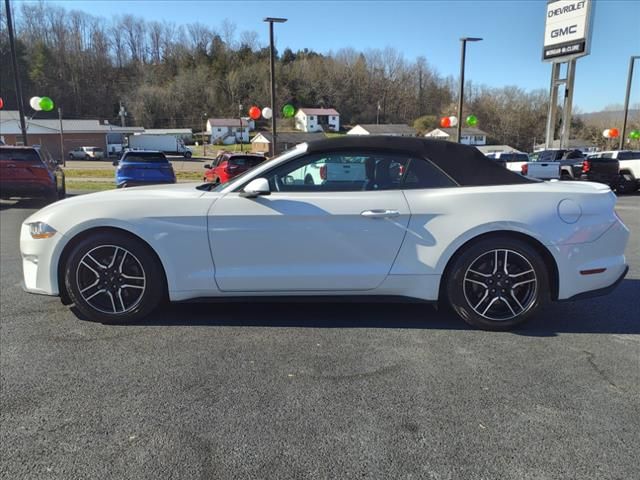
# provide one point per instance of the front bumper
(39, 262)
(26, 189)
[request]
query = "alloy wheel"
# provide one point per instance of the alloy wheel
(111, 279)
(500, 285)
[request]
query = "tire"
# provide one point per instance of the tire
(626, 184)
(138, 286)
(308, 180)
(187, 155)
(483, 296)
(71, 157)
(62, 192)
(564, 176)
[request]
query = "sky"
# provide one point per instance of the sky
(510, 53)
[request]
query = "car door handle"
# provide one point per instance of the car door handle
(380, 213)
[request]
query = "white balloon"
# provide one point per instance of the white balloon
(606, 133)
(267, 113)
(454, 120)
(35, 103)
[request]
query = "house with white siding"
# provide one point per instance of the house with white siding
(228, 130)
(317, 120)
(390, 129)
(468, 136)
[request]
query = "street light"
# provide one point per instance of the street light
(271, 21)
(632, 59)
(464, 41)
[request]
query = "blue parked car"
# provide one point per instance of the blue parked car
(143, 167)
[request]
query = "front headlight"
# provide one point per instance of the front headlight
(41, 230)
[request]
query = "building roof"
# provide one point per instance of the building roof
(226, 122)
(452, 132)
(168, 131)
(289, 137)
(10, 121)
(497, 148)
(319, 111)
(387, 129)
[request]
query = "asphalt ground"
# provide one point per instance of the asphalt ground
(321, 390)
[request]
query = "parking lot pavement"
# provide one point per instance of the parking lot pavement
(322, 390)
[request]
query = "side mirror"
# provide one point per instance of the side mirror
(255, 188)
(115, 163)
(207, 165)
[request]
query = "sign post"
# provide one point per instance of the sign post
(567, 37)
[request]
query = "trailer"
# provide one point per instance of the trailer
(162, 143)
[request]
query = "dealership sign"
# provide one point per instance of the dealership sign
(567, 30)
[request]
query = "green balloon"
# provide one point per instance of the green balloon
(634, 134)
(46, 104)
(472, 120)
(288, 111)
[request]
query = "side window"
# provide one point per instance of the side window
(345, 171)
(422, 173)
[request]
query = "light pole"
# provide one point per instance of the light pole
(271, 21)
(463, 53)
(632, 59)
(204, 132)
(240, 117)
(16, 75)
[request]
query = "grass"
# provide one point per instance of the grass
(81, 174)
(73, 184)
(212, 150)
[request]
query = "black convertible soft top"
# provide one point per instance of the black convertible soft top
(463, 163)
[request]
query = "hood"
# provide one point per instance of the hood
(120, 199)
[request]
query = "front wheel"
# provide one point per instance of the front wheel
(114, 278)
(497, 283)
(187, 154)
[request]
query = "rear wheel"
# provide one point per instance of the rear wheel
(113, 277)
(497, 283)
(626, 184)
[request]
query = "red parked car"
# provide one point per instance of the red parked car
(229, 165)
(30, 172)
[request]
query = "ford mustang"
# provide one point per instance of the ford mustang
(394, 217)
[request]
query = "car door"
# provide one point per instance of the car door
(337, 235)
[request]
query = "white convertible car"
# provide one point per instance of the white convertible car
(423, 219)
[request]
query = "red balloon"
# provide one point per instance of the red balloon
(445, 122)
(1, 103)
(254, 113)
(613, 133)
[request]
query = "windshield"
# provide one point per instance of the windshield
(246, 160)
(19, 155)
(145, 157)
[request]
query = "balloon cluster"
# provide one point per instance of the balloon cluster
(446, 122)
(611, 133)
(255, 113)
(44, 104)
(634, 134)
(452, 121)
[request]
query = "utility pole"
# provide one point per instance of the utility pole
(122, 114)
(271, 21)
(62, 156)
(240, 117)
(463, 55)
(16, 75)
(626, 101)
